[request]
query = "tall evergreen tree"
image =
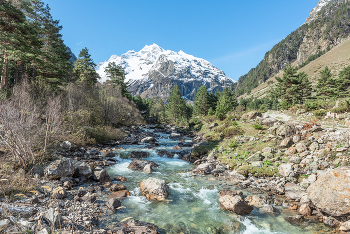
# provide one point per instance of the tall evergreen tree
(343, 82)
(292, 88)
(326, 84)
(117, 76)
(84, 69)
(176, 110)
(201, 102)
(226, 103)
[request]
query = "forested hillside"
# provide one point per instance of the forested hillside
(308, 42)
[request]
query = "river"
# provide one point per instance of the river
(192, 206)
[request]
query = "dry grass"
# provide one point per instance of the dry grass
(13, 180)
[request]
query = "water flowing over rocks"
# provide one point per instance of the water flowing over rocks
(140, 164)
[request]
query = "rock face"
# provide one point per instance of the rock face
(330, 192)
(153, 71)
(60, 168)
(154, 189)
(235, 204)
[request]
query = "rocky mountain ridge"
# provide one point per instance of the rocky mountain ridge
(327, 26)
(153, 71)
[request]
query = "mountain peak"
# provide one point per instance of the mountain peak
(313, 13)
(154, 70)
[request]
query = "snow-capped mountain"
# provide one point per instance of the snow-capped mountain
(314, 11)
(153, 71)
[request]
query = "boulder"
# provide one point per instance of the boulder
(285, 170)
(138, 154)
(297, 219)
(89, 198)
(330, 192)
(268, 209)
(251, 115)
(60, 168)
(305, 210)
(234, 176)
(330, 221)
(69, 146)
(300, 147)
(53, 217)
(102, 175)
(175, 136)
(267, 150)
(154, 189)
(117, 187)
(135, 227)
(113, 204)
(119, 194)
(294, 191)
(269, 122)
(296, 139)
(314, 146)
(120, 178)
(345, 226)
(285, 130)
(17, 210)
(230, 193)
(139, 164)
(204, 169)
(213, 125)
(82, 169)
(235, 204)
(147, 168)
(286, 142)
(258, 164)
(254, 200)
(148, 140)
(291, 151)
(177, 147)
(4, 223)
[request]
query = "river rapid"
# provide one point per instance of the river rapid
(192, 206)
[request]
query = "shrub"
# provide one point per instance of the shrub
(233, 144)
(320, 112)
(258, 127)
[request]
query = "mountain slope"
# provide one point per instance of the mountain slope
(327, 26)
(153, 71)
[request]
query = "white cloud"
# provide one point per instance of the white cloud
(79, 43)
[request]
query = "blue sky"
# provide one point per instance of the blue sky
(234, 35)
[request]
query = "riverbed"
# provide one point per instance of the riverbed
(192, 206)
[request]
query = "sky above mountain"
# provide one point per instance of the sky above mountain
(232, 35)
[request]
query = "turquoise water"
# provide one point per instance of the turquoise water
(192, 206)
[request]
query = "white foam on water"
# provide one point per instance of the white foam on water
(170, 161)
(176, 156)
(122, 167)
(206, 195)
(178, 187)
(252, 229)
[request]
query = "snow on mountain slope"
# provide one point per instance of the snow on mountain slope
(153, 68)
(314, 11)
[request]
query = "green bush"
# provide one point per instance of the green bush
(320, 112)
(233, 144)
(258, 127)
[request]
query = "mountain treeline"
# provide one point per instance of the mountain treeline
(303, 45)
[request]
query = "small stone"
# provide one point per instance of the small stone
(300, 147)
(177, 147)
(119, 194)
(117, 187)
(120, 178)
(148, 169)
(67, 185)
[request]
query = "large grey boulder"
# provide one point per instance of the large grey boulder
(60, 168)
(204, 169)
(330, 192)
(255, 157)
(154, 189)
(294, 191)
(235, 204)
(102, 175)
(139, 164)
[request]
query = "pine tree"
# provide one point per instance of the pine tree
(84, 69)
(117, 76)
(326, 84)
(176, 107)
(201, 102)
(292, 88)
(343, 82)
(226, 103)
